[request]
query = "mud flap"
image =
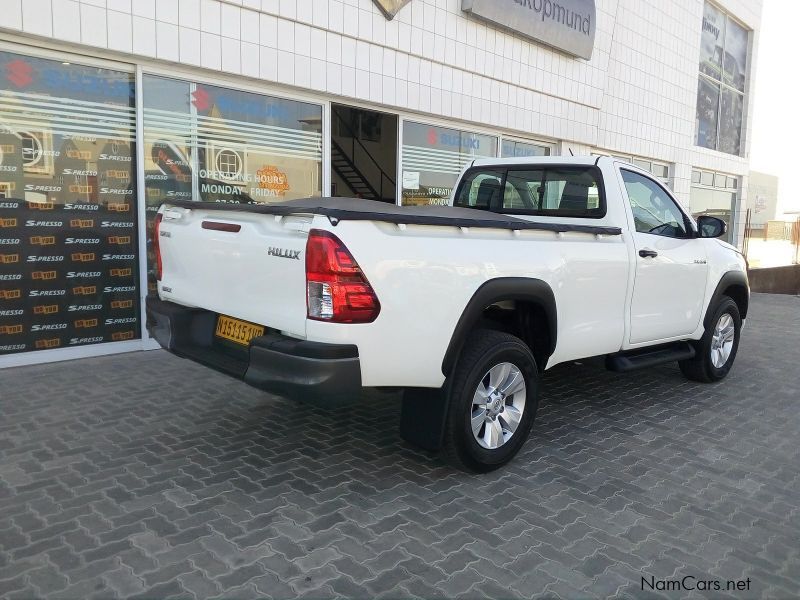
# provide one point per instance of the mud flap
(423, 416)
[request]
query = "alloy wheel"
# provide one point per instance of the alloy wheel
(497, 405)
(722, 341)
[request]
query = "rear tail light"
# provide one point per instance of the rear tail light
(157, 245)
(337, 290)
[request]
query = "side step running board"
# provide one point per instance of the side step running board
(649, 357)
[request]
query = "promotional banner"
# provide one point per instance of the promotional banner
(68, 219)
(68, 275)
(723, 71)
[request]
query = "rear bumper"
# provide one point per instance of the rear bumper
(272, 362)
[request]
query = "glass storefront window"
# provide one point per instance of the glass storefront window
(730, 118)
(433, 158)
(707, 113)
(214, 144)
(221, 145)
(514, 149)
(736, 40)
(68, 220)
(658, 169)
(711, 195)
(720, 91)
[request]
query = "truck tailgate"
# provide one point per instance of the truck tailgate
(244, 265)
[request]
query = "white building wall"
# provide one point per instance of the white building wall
(636, 96)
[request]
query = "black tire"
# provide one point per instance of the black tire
(701, 368)
(484, 349)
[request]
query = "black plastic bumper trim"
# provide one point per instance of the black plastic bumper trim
(273, 362)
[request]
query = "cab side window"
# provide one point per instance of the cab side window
(654, 212)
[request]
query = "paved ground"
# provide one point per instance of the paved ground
(147, 475)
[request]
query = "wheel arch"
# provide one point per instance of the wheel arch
(733, 284)
(532, 292)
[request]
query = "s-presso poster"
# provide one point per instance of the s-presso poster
(68, 231)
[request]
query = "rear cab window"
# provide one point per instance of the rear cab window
(547, 190)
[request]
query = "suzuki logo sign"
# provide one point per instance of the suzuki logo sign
(390, 8)
(19, 73)
(201, 99)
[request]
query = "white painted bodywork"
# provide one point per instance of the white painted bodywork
(424, 276)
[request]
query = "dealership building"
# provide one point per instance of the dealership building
(110, 107)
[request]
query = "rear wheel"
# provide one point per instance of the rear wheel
(493, 399)
(716, 350)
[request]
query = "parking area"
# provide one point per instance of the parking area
(144, 475)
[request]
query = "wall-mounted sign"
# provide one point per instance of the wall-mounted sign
(411, 180)
(567, 25)
(390, 8)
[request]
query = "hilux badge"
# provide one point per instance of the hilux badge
(284, 253)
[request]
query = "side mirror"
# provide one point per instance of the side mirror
(711, 227)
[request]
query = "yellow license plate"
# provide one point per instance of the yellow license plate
(237, 331)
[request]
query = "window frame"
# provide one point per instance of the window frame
(688, 221)
(722, 85)
(506, 167)
(99, 59)
(549, 146)
(440, 124)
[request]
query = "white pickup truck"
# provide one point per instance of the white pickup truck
(537, 262)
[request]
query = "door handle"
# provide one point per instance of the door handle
(647, 253)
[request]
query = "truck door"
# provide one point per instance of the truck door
(671, 264)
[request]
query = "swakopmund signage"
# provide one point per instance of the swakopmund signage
(568, 25)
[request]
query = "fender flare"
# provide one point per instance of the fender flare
(498, 290)
(731, 278)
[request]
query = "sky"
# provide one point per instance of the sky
(776, 115)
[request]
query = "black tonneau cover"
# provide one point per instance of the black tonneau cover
(355, 209)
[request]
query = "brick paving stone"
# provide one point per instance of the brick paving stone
(124, 582)
(147, 475)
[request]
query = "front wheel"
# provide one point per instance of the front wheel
(493, 398)
(716, 350)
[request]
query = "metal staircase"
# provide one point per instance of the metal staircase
(371, 184)
(347, 170)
